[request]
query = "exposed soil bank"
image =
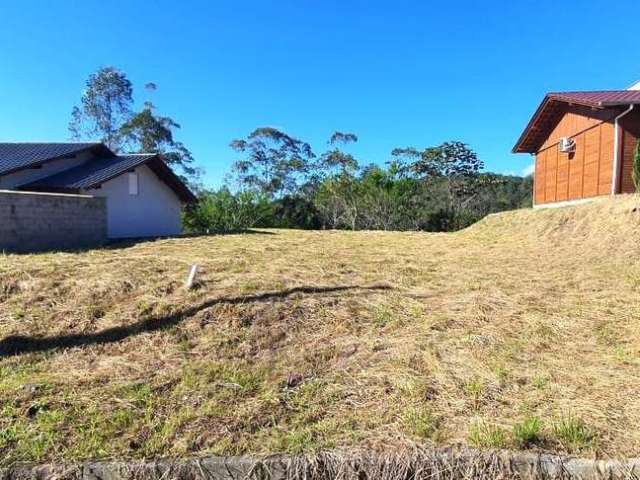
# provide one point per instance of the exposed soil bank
(415, 464)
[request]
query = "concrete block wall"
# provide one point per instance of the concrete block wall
(31, 222)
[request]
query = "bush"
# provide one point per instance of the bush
(225, 212)
(294, 211)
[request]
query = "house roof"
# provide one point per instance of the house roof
(100, 170)
(553, 106)
(17, 156)
(90, 174)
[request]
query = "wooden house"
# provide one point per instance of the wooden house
(583, 144)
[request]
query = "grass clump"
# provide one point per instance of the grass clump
(296, 441)
(573, 433)
(382, 317)
(527, 432)
(485, 435)
(474, 389)
(422, 423)
(540, 381)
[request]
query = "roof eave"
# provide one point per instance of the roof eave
(36, 188)
(164, 172)
(99, 183)
(617, 104)
(98, 146)
(554, 97)
(517, 148)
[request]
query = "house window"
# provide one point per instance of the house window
(133, 184)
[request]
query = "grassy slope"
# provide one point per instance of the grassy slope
(526, 314)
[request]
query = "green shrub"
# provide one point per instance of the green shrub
(573, 433)
(293, 211)
(225, 212)
(527, 432)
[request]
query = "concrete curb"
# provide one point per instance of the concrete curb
(418, 464)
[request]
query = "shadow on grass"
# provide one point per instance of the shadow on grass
(119, 243)
(130, 242)
(17, 344)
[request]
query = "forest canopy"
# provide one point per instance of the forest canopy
(278, 181)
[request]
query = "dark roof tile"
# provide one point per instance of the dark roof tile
(90, 174)
(104, 166)
(99, 170)
(598, 98)
(16, 156)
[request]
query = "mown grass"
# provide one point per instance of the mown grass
(302, 341)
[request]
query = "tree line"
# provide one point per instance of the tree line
(279, 181)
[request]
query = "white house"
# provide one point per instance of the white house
(144, 196)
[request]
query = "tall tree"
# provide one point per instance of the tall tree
(274, 162)
(105, 105)
(335, 194)
(146, 131)
(106, 114)
(452, 161)
(335, 158)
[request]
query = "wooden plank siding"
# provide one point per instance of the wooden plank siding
(630, 134)
(538, 177)
(606, 159)
(551, 175)
(586, 172)
(575, 169)
(562, 178)
(591, 162)
(576, 119)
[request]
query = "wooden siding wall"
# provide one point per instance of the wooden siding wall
(587, 172)
(630, 134)
(575, 120)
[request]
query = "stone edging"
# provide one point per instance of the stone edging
(418, 464)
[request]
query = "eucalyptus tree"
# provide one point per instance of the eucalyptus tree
(455, 162)
(106, 103)
(106, 113)
(147, 131)
(272, 162)
(336, 195)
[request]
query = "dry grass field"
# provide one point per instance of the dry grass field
(522, 331)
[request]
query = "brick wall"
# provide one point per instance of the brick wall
(43, 221)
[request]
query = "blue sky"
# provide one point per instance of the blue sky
(402, 73)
